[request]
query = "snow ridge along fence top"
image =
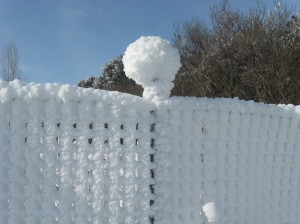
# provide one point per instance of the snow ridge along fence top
(73, 155)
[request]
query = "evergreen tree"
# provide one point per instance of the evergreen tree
(113, 78)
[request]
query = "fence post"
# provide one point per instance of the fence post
(152, 62)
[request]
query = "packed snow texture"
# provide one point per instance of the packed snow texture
(227, 161)
(209, 210)
(73, 155)
(152, 62)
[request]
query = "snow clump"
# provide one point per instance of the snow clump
(209, 210)
(152, 62)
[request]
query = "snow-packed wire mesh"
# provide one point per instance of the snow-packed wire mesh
(71, 155)
(228, 161)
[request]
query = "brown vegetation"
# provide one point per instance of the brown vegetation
(253, 56)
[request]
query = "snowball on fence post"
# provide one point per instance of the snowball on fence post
(152, 62)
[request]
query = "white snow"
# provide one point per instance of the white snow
(74, 155)
(152, 62)
(240, 155)
(210, 212)
(62, 157)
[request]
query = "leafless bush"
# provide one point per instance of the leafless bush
(253, 55)
(9, 63)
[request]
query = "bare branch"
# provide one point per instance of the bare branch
(9, 63)
(252, 55)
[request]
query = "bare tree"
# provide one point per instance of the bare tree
(9, 63)
(253, 55)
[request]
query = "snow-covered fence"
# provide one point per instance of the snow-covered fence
(228, 161)
(72, 155)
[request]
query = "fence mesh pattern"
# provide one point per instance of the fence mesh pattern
(83, 160)
(72, 155)
(229, 162)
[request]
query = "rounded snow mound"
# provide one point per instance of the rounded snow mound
(152, 62)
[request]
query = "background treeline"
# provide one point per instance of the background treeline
(253, 55)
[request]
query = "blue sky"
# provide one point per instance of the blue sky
(66, 41)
